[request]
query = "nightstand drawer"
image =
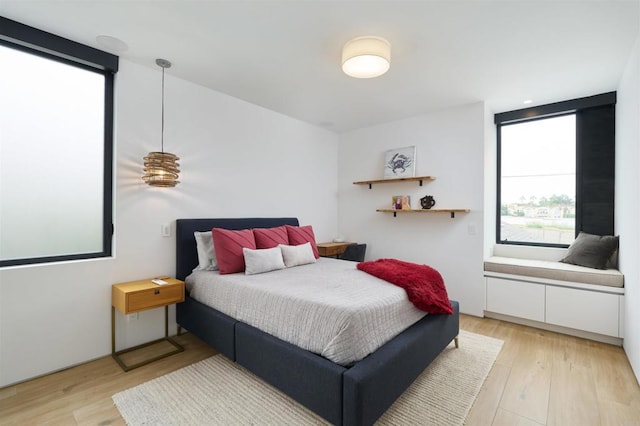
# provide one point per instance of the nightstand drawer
(332, 249)
(136, 296)
(154, 297)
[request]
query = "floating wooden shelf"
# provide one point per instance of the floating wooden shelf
(407, 179)
(452, 211)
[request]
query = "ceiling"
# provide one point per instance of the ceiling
(285, 55)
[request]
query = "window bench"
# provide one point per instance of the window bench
(544, 293)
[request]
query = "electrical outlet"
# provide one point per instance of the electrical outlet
(165, 230)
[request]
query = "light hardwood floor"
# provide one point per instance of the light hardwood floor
(546, 378)
(539, 378)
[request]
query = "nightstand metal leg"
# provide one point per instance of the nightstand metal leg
(166, 321)
(116, 355)
(113, 330)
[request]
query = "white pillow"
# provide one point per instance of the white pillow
(297, 255)
(262, 260)
(206, 254)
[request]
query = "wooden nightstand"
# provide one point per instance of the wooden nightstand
(332, 249)
(137, 296)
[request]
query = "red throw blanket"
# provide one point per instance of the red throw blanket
(423, 284)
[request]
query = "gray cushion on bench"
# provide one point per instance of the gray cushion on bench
(592, 251)
(554, 271)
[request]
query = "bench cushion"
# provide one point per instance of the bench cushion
(554, 271)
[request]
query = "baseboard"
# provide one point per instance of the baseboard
(617, 341)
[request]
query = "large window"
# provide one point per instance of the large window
(538, 181)
(56, 119)
(556, 171)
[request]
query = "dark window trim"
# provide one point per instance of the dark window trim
(542, 112)
(32, 40)
(60, 47)
(557, 108)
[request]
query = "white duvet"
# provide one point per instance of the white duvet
(328, 307)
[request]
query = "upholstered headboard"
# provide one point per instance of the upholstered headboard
(186, 254)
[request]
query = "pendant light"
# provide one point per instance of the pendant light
(161, 168)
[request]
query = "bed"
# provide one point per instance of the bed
(350, 395)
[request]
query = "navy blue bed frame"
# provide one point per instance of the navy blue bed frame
(357, 395)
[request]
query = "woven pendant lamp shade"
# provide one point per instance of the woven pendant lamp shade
(161, 169)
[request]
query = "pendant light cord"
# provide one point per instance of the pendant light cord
(162, 121)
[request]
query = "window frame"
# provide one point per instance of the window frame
(30, 40)
(574, 106)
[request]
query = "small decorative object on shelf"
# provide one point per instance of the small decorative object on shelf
(427, 202)
(400, 162)
(401, 202)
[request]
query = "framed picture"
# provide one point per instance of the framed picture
(400, 162)
(401, 202)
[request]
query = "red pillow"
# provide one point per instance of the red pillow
(228, 247)
(302, 234)
(270, 237)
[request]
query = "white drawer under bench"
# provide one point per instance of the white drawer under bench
(584, 310)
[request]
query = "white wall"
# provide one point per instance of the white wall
(628, 201)
(450, 146)
(490, 181)
(237, 159)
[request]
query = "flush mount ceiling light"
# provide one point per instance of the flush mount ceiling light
(366, 57)
(161, 168)
(112, 44)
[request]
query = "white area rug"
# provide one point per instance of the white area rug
(218, 392)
